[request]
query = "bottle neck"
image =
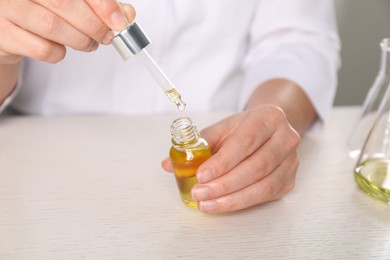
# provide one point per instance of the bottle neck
(184, 132)
(385, 59)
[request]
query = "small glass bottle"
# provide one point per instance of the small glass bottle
(189, 150)
(372, 172)
(371, 103)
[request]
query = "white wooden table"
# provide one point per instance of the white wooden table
(92, 188)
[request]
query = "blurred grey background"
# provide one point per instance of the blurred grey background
(362, 25)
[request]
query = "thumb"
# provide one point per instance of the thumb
(215, 134)
(129, 12)
(114, 15)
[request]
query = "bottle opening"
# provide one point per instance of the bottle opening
(183, 130)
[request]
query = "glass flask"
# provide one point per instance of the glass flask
(189, 150)
(372, 171)
(371, 103)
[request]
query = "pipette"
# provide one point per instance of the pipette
(132, 42)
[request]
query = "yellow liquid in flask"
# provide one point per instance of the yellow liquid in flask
(373, 177)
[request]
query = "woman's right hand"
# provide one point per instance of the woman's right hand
(42, 29)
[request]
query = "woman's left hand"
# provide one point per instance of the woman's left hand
(254, 160)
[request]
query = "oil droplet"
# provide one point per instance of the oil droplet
(181, 106)
(175, 97)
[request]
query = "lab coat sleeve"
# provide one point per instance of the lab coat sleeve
(295, 40)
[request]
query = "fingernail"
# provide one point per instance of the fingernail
(200, 193)
(94, 46)
(208, 205)
(204, 176)
(118, 20)
(108, 38)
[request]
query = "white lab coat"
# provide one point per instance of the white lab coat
(215, 52)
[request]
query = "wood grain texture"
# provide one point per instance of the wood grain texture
(92, 188)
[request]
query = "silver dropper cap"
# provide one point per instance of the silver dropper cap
(130, 41)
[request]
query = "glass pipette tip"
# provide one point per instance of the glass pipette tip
(159, 76)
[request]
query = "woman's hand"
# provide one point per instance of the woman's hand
(41, 29)
(254, 160)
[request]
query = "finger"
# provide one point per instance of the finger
(80, 15)
(166, 164)
(271, 188)
(250, 134)
(20, 42)
(111, 13)
(260, 164)
(217, 133)
(48, 25)
(129, 12)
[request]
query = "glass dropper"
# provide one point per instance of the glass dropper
(160, 77)
(132, 41)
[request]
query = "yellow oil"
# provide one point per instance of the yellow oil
(175, 97)
(185, 164)
(373, 177)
